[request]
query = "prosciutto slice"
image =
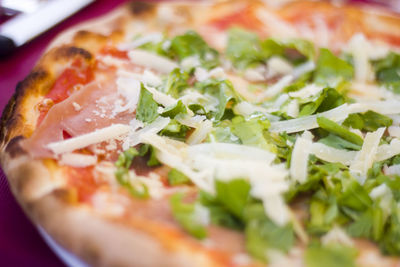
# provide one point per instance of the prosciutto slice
(84, 111)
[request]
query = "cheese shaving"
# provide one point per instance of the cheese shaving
(78, 160)
(152, 61)
(88, 139)
(365, 158)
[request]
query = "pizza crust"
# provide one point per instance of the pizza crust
(37, 186)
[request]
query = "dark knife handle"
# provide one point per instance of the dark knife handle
(7, 46)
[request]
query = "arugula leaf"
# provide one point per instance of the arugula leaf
(250, 131)
(147, 108)
(304, 47)
(328, 99)
(354, 195)
(330, 256)
(262, 234)
(233, 194)
(219, 214)
(149, 151)
(122, 174)
(390, 242)
(373, 121)
(339, 130)
(387, 71)
(369, 224)
(355, 121)
(175, 130)
(222, 90)
(369, 121)
(174, 110)
(192, 44)
(243, 48)
(176, 177)
(331, 70)
(223, 134)
(177, 81)
(184, 213)
(270, 47)
(337, 142)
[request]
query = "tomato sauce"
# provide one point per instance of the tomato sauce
(65, 84)
(112, 51)
(83, 180)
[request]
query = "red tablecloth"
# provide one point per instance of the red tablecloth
(20, 244)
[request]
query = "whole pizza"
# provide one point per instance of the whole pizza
(215, 133)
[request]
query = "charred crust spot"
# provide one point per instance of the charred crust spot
(36, 76)
(72, 51)
(5, 117)
(140, 8)
(14, 148)
(8, 118)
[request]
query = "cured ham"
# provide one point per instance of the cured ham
(84, 111)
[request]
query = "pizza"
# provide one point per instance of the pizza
(215, 133)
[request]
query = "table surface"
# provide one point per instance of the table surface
(20, 243)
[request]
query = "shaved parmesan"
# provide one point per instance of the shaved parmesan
(135, 136)
(78, 160)
(202, 74)
(255, 74)
(392, 170)
(388, 151)
(129, 88)
(160, 97)
(205, 162)
(88, 139)
(303, 68)
(310, 122)
(385, 195)
(365, 158)
(150, 79)
(201, 132)
(307, 91)
(299, 159)
(190, 62)
(278, 87)
(293, 108)
(386, 107)
(153, 61)
(232, 151)
(331, 154)
(245, 108)
(394, 131)
(337, 114)
(278, 66)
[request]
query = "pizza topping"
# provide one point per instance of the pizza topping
(88, 139)
(150, 60)
(300, 135)
(78, 160)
